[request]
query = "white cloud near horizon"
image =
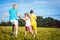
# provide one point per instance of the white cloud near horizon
(43, 8)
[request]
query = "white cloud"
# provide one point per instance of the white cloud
(42, 8)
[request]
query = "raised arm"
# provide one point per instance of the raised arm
(6, 14)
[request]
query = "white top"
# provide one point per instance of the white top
(28, 22)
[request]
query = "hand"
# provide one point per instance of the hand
(19, 17)
(2, 19)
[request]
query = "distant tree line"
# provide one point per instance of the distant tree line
(41, 22)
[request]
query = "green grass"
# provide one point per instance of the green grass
(43, 34)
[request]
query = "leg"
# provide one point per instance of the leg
(16, 29)
(26, 29)
(25, 33)
(13, 30)
(30, 30)
(35, 31)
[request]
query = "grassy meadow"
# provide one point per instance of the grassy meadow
(43, 34)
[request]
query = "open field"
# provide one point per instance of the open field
(43, 34)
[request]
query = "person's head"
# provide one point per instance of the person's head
(15, 6)
(26, 14)
(31, 11)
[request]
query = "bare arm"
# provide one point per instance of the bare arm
(18, 14)
(24, 18)
(36, 18)
(6, 14)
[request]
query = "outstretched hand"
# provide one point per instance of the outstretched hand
(2, 19)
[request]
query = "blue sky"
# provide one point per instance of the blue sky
(45, 8)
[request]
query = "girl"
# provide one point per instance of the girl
(33, 22)
(28, 24)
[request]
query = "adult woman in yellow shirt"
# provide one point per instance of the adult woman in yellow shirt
(33, 22)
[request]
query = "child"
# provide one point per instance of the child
(13, 12)
(33, 22)
(28, 24)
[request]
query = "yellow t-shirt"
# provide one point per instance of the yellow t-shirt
(33, 21)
